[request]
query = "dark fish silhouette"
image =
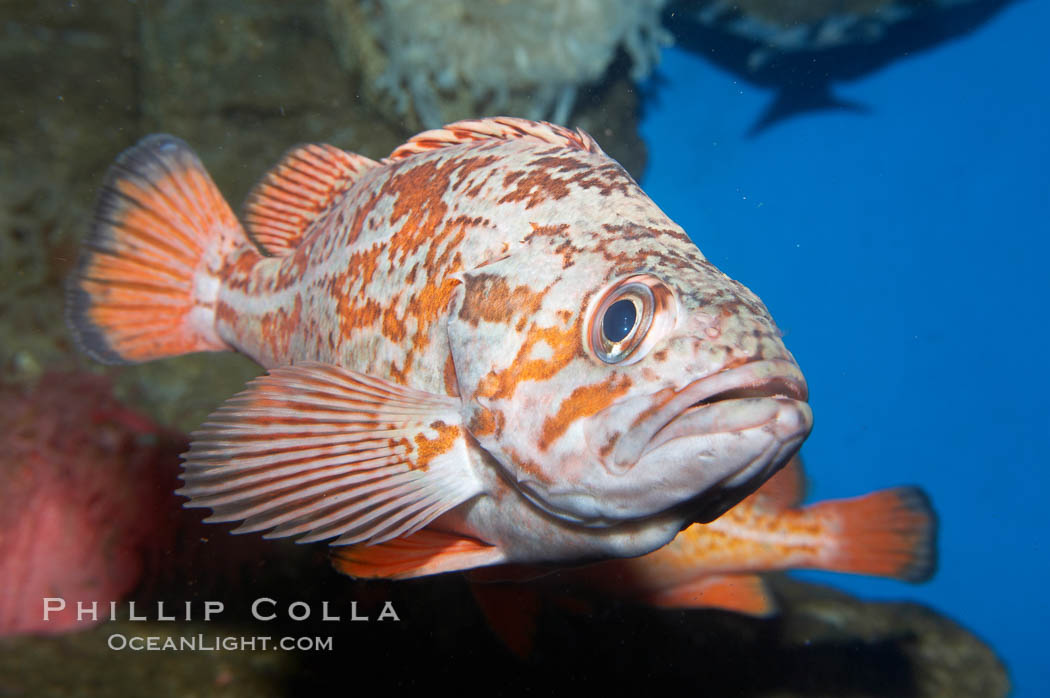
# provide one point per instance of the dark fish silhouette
(802, 62)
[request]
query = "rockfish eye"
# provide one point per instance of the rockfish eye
(619, 319)
(624, 318)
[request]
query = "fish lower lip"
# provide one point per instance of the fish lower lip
(719, 434)
(729, 415)
(702, 459)
(770, 379)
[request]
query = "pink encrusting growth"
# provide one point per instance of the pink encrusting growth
(86, 499)
(490, 346)
(88, 514)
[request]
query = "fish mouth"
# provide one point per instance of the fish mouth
(692, 452)
(774, 379)
(690, 408)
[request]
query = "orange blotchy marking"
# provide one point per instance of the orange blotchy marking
(428, 305)
(428, 449)
(422, 212)
(357, 313)
(276, 328)
(748, 534)
(451, 381)
(485, 422)
(566, 346)
(608, 446)
(583, 402)
(537, 185)
(237, 269)
(528, 467)
(566, 248)
(393, 327)
(489, 297)
(418, 191)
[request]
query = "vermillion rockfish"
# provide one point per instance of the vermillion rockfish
(489, 347)
(889, 533)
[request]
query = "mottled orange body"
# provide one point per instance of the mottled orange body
(491, 346)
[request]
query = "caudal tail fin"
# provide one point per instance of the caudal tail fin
(890, 533)
(147, 281)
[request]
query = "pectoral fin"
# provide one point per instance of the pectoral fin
(323, 451)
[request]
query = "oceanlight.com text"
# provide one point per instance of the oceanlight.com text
(214, 643)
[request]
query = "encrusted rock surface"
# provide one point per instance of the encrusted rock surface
(241, 82)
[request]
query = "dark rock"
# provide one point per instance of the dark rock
(824, 643)
(241, 82)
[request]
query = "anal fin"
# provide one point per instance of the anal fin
(742, 593)
(424, 552)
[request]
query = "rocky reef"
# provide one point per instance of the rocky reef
(824, 644)
(436, 62)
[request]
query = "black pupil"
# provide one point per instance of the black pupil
(618, 320)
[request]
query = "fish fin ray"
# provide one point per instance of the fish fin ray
(292, 195)
(498, 127)
(742, 593)
(146, 282)
(406, 463)
(889, 533)
(784, 490)
(418, 554)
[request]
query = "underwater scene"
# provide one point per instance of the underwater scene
(535, 347)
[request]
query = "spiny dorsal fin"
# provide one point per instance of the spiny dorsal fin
(497, 127)
(294, 193)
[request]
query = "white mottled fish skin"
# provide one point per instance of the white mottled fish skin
(477, 265)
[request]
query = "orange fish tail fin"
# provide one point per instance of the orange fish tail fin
(147, 280)
(890, 533)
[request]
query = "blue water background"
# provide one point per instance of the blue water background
(904, 253)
